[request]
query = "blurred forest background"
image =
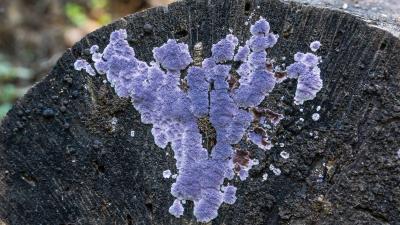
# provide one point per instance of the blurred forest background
(35, 33)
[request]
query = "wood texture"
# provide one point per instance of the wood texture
(63, 161)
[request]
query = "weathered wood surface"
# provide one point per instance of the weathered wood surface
(62, 161)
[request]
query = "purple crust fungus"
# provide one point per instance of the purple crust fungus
(233, 110)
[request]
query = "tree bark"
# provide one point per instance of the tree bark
(67, 155)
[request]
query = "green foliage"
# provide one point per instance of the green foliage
(78, 14)
(9, 76)
(98, 4)
(9, 72)
(75, 13)
(4, 108)
(10, 93)
(104, 19)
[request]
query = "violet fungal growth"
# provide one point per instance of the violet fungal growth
(215, 97)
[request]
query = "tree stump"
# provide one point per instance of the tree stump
(72, 152)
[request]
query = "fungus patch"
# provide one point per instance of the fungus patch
(177, 93)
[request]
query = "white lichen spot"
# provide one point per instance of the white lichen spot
(246, 23)
(301, 109)
(258, 7)
(265, 177)
(271, 167)
(301, 119)
(174, 176)
(255, 162)
(311, 134)
(281, 145)
(251, 15)
(132, 133)
(230, 30)
(114, 122)
(315, 116)
(318, 108)
(104, 81)
(275, 170)
(283, 58)
(166, 173)
(320, 178)
(345, 6)
(284, 154)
